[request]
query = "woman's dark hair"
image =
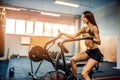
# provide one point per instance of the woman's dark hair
(89, 15)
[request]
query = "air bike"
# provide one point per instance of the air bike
(62, 68)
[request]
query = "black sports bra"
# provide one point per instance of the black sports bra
(89, 32)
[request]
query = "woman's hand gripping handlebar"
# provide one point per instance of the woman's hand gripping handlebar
(70, 40)
(52, 41)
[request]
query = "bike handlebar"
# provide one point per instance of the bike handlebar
(76, 39)
(53, 40)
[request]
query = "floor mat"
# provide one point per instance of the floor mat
(3, 68)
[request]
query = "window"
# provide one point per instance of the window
(20, 27)
(10, 26)
(29, 27)
(63, 28)
(48, 29)
(38, 28)
(71, 29)
(55, 29)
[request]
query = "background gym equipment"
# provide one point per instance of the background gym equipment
(57, 59)
(11, 72)
(2, 31)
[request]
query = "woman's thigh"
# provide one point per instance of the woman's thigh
(80, 56)
(89, 65)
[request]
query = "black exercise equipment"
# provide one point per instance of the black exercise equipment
(37, 54)
(11, 72)
(57, 59)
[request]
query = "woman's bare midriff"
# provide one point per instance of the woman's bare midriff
(90, 44)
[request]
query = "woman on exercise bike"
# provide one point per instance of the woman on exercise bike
(92, 54)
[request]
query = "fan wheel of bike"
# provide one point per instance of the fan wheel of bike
(53, 75)
(37, 53)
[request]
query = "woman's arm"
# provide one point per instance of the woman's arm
(96, 38)
(74, 35)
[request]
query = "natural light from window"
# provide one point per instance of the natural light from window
(71, 29)
(29, 27)
(63, 28)
(10, 26)
(38, 28)
(48, 29)
(20, 27)
(55, 29)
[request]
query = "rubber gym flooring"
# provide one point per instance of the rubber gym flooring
(22, 67)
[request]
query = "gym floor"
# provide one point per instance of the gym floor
(22, 67)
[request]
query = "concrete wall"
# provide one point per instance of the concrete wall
(108, 19)
(13, 45)
(118, 46)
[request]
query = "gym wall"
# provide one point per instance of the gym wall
(108, 48)
(107, 21)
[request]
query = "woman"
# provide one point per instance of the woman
(92, 54)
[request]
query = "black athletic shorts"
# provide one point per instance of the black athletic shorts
(95, 54)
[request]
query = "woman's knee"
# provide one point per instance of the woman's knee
(84, 73)
(73, 60)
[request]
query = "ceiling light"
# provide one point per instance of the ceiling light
(15, 9)
(66, 3)
(50, 14)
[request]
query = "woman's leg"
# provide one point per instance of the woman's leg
(76, 58)
(87, 68)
